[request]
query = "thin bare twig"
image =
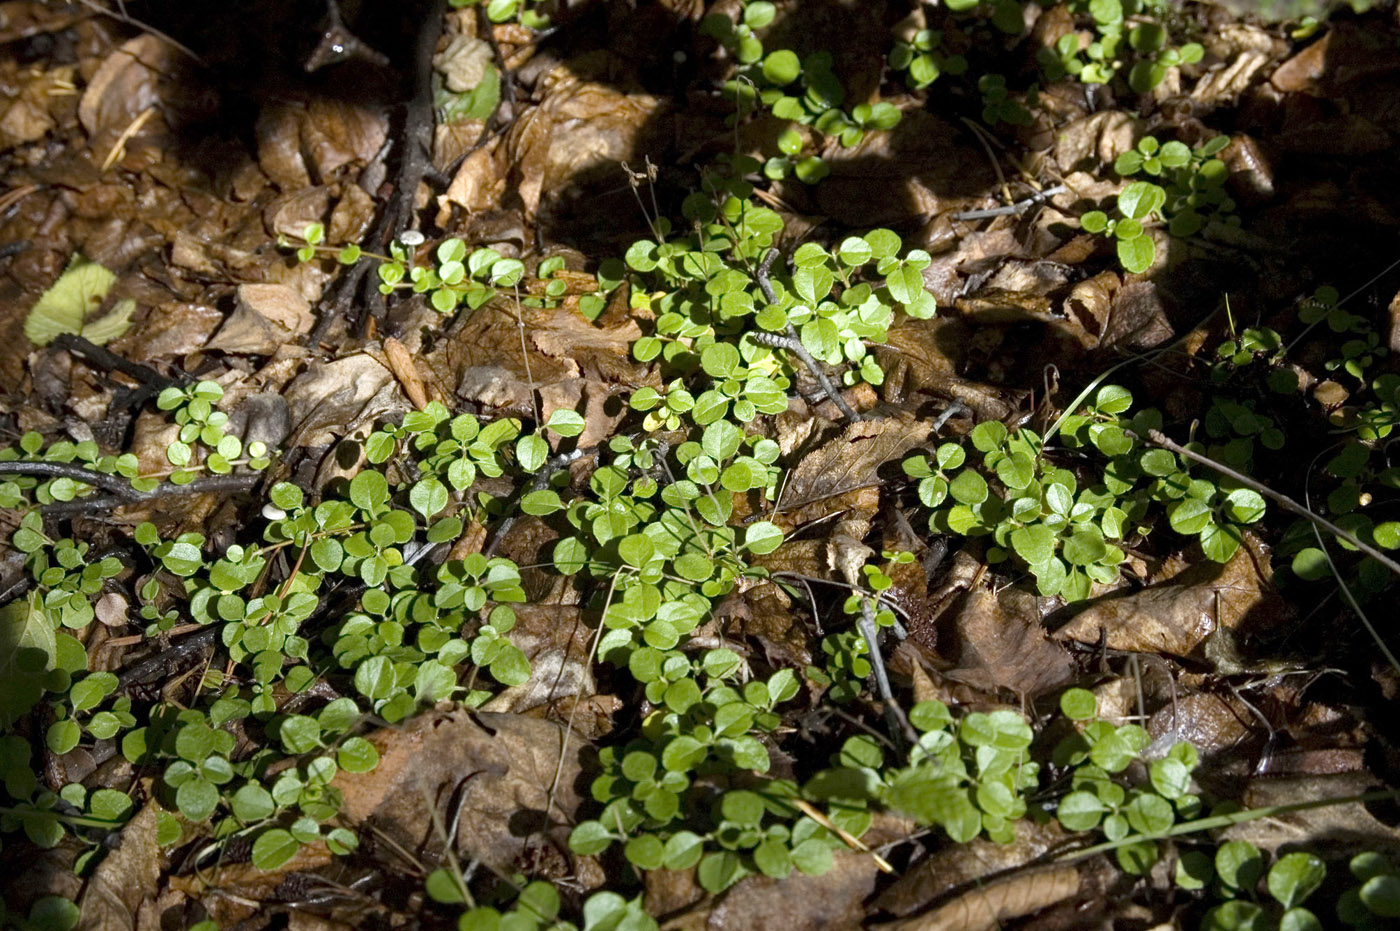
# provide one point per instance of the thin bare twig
(793, 343)
(104, 480)
(1288, 504)
(1018, 207)
(213, 484)
(121, 16)
(1341, 582)
(898, 722)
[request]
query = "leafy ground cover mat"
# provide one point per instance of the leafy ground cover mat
(698, 465)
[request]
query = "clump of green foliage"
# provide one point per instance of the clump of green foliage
(528, 13)
(1237, 869)
(1258, 383)
(455, 277)
(399, 649)
(711, 314)
(923, 59)
(805, 91)
(1146, 53)
(1192, 194)
(1067, 533)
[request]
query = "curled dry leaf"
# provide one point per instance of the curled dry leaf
(334, 399)
(1137, 318)
(136, 77)
(1178, 616)
(125, 881)
(1224, 84)
(955, 865)
(353, 213)
(289, 214)
(478, 183)
(924, 356)
(485, 351)
(1090, 300)
(265, 316)
(300, 144)
(401, 364)
(581, 130)
(995, 902)
(184, 328)
(1305, 72)
(592, 399)
(111, 609)
(1088, 144)
(765, 615)
(1251, 175)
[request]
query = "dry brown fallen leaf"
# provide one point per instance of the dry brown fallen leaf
(1089, 303)
(488, 359)
(1333, 831)
(849, 462)
(579, 131)
(992, 903)
(800, 902)
(996, 642)
(125, 882)
(239, 891)
(951, 866)
(401, 364)
(1225, 83)
(333, 399)
(139, 77)
(1137, 318)
(558, 644)
(1177, 617)
(925, 356)
(184, 328)
(491, 773)
(1215, 723)
(300, 144)
(1093, 142)
(797, 902)
(265, 317)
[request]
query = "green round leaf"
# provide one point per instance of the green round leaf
(645, 852)
(1381, 894)
(968, 487)
(762, 537)
(274, 848)
(589, 838)
(1137, 254)
(1078, 704)
(428, 496)
(1294, 877)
